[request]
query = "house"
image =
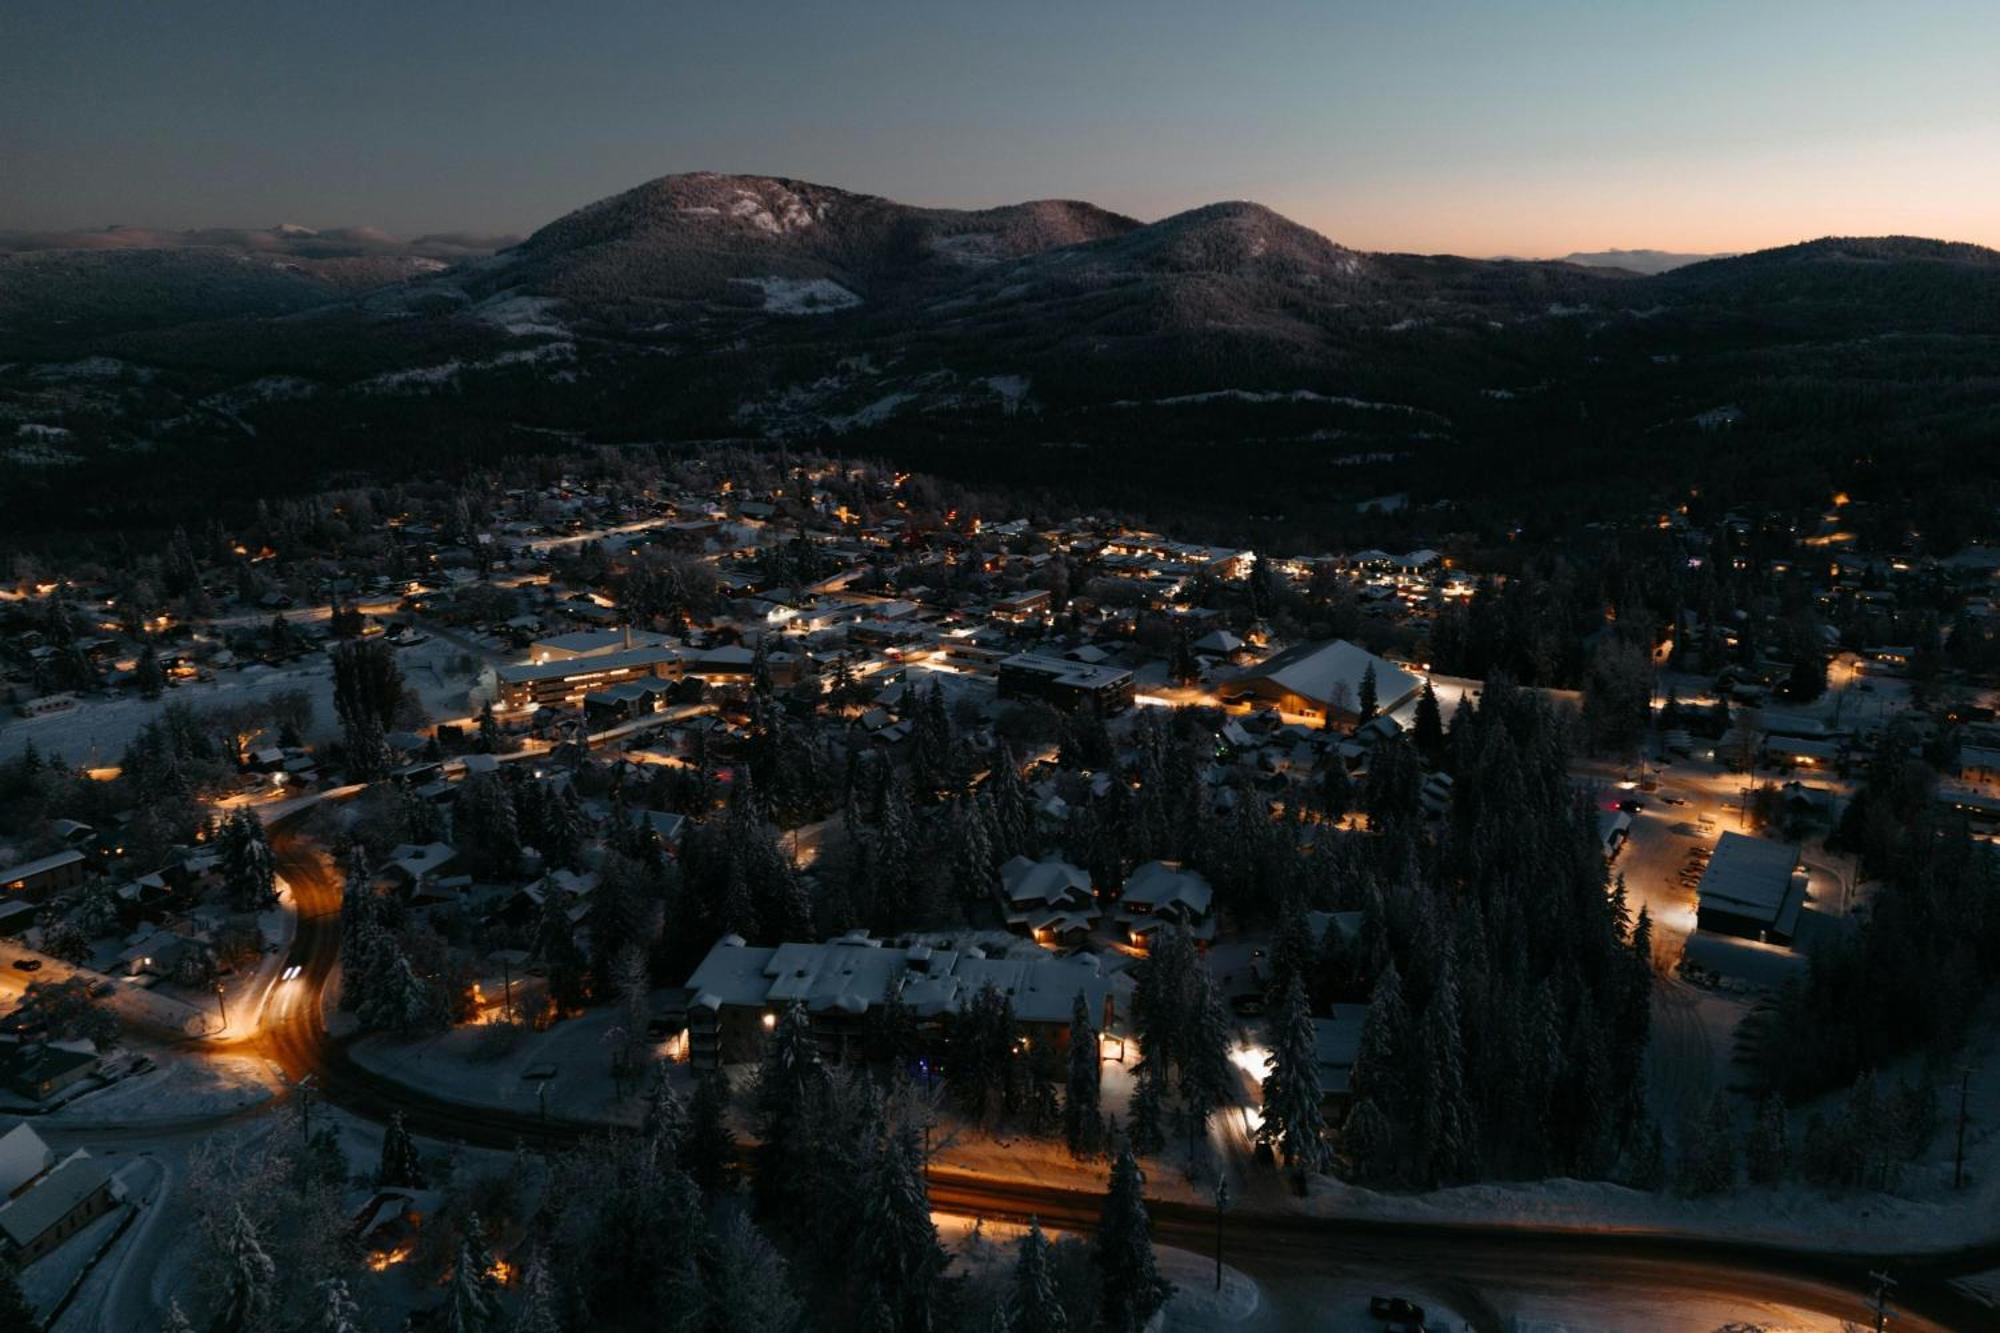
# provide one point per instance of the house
(1063, 683)
(1162, 892)
(567, 680)
(1336, 1044)
(1049, 899)
(23, 1156)
(418, 871)
(1321, 680)
(738, 990)
(36, 880)
(62, 1202)
(1021, 607)
(1753, 887)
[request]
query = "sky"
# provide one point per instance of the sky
(1479, 127)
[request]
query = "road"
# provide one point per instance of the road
(1267, 1244)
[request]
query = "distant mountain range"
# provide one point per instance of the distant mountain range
(706, 305)
(1638, 261)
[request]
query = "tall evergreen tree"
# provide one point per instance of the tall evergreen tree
(708, 1149)
(1427, 728)
(401, 1165)
(339, 1313)
(1082, 1117)
(1036, 1307)
(540, 1310)
(1292, 1116)
(1132, 1288)
(903, 1258)
(251, 1279)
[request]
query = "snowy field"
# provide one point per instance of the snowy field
(95, 733)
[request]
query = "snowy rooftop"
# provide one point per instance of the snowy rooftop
(1331, 673)
(853, 974)
(1046, 881)
(1159, 884)
(1748, 876)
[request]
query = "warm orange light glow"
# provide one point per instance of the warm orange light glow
(501, 1272)
(383, 1260)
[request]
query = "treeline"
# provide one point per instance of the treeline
(1914, 974)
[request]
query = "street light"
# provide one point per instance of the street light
(1221, 1206)
(220, 1007)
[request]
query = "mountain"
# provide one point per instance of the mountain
(136, 366)
(1635, 261)
(61, 287)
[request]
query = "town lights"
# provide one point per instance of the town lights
(770, 1021)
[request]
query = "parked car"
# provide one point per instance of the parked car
(28, 964)
(1396, 1308)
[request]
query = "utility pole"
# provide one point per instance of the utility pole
(1221, 1206)
(221, 1008)
(1964, 1099)
(1883, 1283)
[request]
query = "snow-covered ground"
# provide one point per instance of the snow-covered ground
(182, 1087)
(96, 732)
(802, 296)
(466, 1065)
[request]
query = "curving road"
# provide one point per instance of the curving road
(1269, 1245)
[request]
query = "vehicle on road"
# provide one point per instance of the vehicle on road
(1397, 1308)
(1631, 807)
(27, 964)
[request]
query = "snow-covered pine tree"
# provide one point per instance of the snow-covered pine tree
(1082, 1089)
(1145, 1131)
(338, 1313)
(540, 1308)
(401, 1165)
(1036, 1308)
(471, 1303)
(1132, 1286)
(666, 1118)
(903, 1257)
(251, 1281)
(1292, 1116)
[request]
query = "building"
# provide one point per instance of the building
(36, 880)
(23, 1156)
(1160, 893)
(1321, 680)
(737, 991)
(1023, 606)
(592, 643)
(568, 680)
(1754, 888)
(60, 1203)
(1064, 684)
(1048, 899)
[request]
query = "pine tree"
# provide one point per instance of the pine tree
(540, 1308)
(472, 1302)
(16, 1313)
(1428, 727)
(401, 1165)
(1146, 1131)
(1367, 699)
(1768, 1151)
(251, 1281)
(247, 867)
(339, 1314)
(1132, 1286)
(1708, 1150)
(666, 1118)
(174, 1321)
(1292, 1115)
(1648, 1167)
(903, 1259)
(1081, 1113)
(708, 1149)
(751, 1286)
(1206, 1074)
(1036, 1307)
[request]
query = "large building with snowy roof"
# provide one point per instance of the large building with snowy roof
(1321, 679)
(1753, 887)
(736, 993)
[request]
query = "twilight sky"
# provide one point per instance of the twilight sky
(1477, 126)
